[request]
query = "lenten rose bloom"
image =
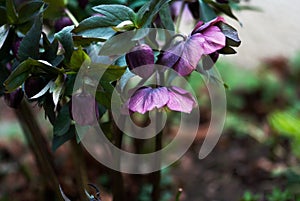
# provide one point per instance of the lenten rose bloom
(85, 111)
(140, 60)
(184, 56)
(146, 99)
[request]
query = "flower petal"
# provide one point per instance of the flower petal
(146, 99)
(189, 59)
(200, 26)
(211, 40)
(180, 100)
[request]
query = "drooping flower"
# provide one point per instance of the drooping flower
(84, 109)
(62, 23)
(33, 85)
(146, 99)
(205, 39)
(140, 60)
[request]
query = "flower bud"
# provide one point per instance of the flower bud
(124, 26)
(141, 56)
(84, 109)
(62, 23)
(14, 98)
(33, 85)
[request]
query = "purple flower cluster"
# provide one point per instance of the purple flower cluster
(207, 39)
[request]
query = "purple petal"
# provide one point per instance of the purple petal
(201, 27)
(183, 57)
(189, 59)
(211, 40)
(84, 109)
(146, 99)
(141, 56)
(180, 100)
(171, 56)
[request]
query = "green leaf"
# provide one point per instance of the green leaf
(86, 41)
(285, 123)
(92, 23)
(166, 18)
(11, 13)
(55, 8)
(30, 10)
(4, 30)
(115, 14)
(232, 37)
(146, 13)
(206, 12)
(63, 121)
(3, 76)
(29, 46)
(223, 8)
(78, 58)
(22, 72)
(3, 18)
(6, 45)
(65, 38)
(60, 140)
(50, 51)
(227, 50)
(118, 45)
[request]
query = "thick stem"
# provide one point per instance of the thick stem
(39, 146)
(72, 17)
(118, 190)
(80, 169)
(156, 176)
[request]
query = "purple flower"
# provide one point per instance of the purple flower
(184, 56)
(146, 99)
(84, 109)
(14, 98)
(33, 85)
(141, 56)
(62, 23)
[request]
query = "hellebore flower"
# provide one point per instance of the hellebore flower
(140, 60)
(62, 23)
(84, 109)
(14, 98)
(146, 99)
(184, 56)
(33, 85)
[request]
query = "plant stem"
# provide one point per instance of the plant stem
(80, 169)
(156, 176)
(118, 190)
(178, 194)
(178, 20)
(71, 16)
(39, 146)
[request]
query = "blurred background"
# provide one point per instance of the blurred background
(258, 155)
